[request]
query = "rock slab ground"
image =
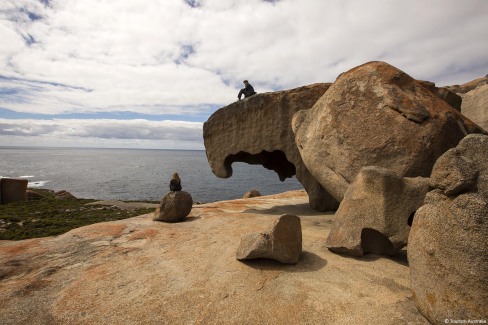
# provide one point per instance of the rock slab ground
(138, 271)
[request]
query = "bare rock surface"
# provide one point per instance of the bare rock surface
(374, 215)
(474, 96)
(136, 271)
(282, 241)
(258, 131)
(174, 207)
(475, 105)
(376, 115)
(448, 242)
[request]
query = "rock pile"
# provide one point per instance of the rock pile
(369, 141)
(174, 207)
(282, 241)
(448, 244)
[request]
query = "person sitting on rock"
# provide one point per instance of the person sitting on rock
(247, 91)
(175, 183)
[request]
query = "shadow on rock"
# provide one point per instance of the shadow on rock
(309, 262)
(400, 257)
(297, 209)
(192, 218)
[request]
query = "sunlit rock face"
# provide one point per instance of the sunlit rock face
(376, 115)
(258, 130)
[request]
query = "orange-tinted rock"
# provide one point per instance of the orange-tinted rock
(376, 115)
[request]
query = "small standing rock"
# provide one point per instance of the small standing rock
(174, 207)
(282, 241)
(251, 193)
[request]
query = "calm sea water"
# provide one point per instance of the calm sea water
(133, 174)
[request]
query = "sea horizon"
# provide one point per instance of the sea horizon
(135, 174)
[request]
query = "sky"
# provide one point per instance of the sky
(148, 74)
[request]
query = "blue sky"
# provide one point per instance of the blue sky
(147, 74)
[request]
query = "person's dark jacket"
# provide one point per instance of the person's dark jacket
(247, 91)
(174, 185)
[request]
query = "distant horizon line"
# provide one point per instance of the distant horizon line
(111, 148)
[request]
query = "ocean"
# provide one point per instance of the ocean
(134, 174)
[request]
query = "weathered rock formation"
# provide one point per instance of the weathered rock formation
(251, 193)
(174, 207)
(375, 212)
(447, 248)
(13, 190)
(282, 241)
(376, 115)
(258, 131)
(63, 195)
(475, 100)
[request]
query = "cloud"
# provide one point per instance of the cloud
(148, 133)
(187, 57)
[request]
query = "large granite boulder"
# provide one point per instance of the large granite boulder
(13, 190)
(282, 241)
(374, 215)
(258, 131)
(447, 248)
(376, 115)
(174, 207)
(474, 100)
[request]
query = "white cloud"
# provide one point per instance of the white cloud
(180, 57)
(109, 133)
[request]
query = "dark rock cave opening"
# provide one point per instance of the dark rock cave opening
(275, 161)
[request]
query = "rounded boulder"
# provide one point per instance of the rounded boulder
(174, 207)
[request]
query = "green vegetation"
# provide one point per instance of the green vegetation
(48, 216)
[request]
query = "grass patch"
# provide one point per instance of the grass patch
(49, 217)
